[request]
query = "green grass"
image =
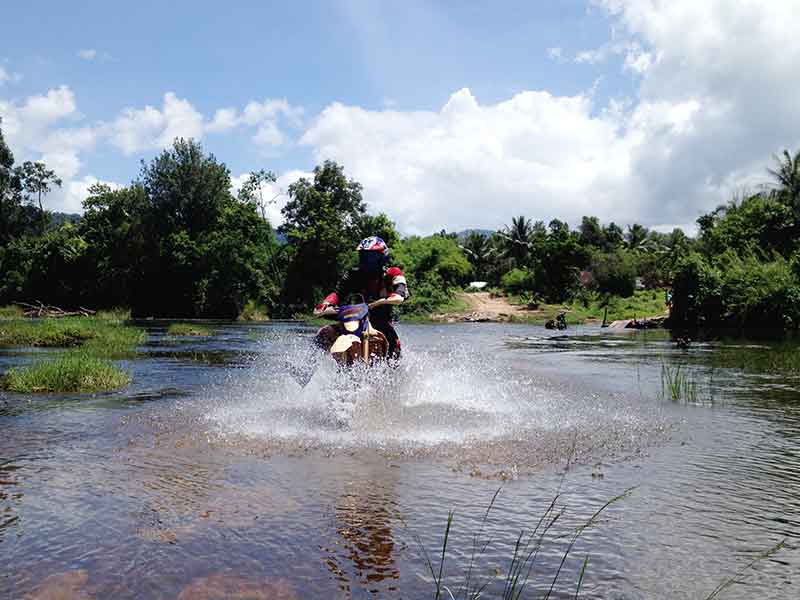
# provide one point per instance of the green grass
(75, 371)
(11, 312)
(97, 336)
(253, 311)
(189, 329)
(677, 383)
(643, 303)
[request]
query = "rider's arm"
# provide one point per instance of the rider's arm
(343, 289)
(398, 286)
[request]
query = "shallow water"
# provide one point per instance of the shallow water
(217, 474)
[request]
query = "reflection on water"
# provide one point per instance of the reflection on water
(217, 474)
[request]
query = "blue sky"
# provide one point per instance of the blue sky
(363, 82)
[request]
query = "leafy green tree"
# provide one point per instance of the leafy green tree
(380, 225)
(37, 181)
(322, 224)
(613, 235)
(614, 273)
(113, 226)
(592, 233)
(16, 218)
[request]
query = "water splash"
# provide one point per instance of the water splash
(293, 396)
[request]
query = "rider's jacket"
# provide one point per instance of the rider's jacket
(372, 287)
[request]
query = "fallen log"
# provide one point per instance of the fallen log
(40, 310)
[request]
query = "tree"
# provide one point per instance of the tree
(322, 224)
(518, 240)
(479, 250)
(253, 190)
(37, 181)
(16, 218)
(636, 236)
(592, 233)
(613, 235)
(787, 176)
(614, 273)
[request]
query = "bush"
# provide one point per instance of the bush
(614, 273)
(518, 281)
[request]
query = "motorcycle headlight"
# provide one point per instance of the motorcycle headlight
(351, 326)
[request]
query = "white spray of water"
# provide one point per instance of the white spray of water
(433, 396)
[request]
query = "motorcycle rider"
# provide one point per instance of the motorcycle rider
(382, 287)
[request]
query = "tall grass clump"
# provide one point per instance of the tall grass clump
(72, 372)
(253, 311)
(188, 329)
(677, 383)
(523, 561)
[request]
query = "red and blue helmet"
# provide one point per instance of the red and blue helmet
(373, 244)
(373, 254)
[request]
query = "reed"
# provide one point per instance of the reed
(677, 383)
(75, 371)
(523, 560)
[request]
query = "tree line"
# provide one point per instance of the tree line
(178, 242)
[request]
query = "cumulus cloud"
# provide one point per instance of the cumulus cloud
(90, 55)
(147, 128)
(265, 117)
(716, 97)
(42, 127)
(49, 127)
(6, 77)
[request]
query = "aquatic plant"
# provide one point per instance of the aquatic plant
(677, 383)
(188, 329)
(72, 372)
(11, 312)
(523, 559)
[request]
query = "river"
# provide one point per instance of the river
(242, 466)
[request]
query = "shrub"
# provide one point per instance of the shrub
(518, 281)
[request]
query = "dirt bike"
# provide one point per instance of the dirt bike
(358, 341)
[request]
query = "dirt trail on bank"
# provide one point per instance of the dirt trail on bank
(484, 307)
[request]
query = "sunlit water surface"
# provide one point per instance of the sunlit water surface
(244, 466)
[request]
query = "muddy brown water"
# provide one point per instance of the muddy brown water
(217, 475)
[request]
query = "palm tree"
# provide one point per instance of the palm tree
(518, 240)
(479, 251)
(636, 235)
(787, 175)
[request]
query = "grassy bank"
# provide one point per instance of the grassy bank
(85, 366)
(644, 303)
(75, 371)
(189, 329)
(98, 336)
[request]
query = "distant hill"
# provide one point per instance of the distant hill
(463, 234)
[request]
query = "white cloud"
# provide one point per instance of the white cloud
(6, 77)
(36, 128)
(150, 128)
(266, 117)
(717, 95)
(555, 53)
(90, 54)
